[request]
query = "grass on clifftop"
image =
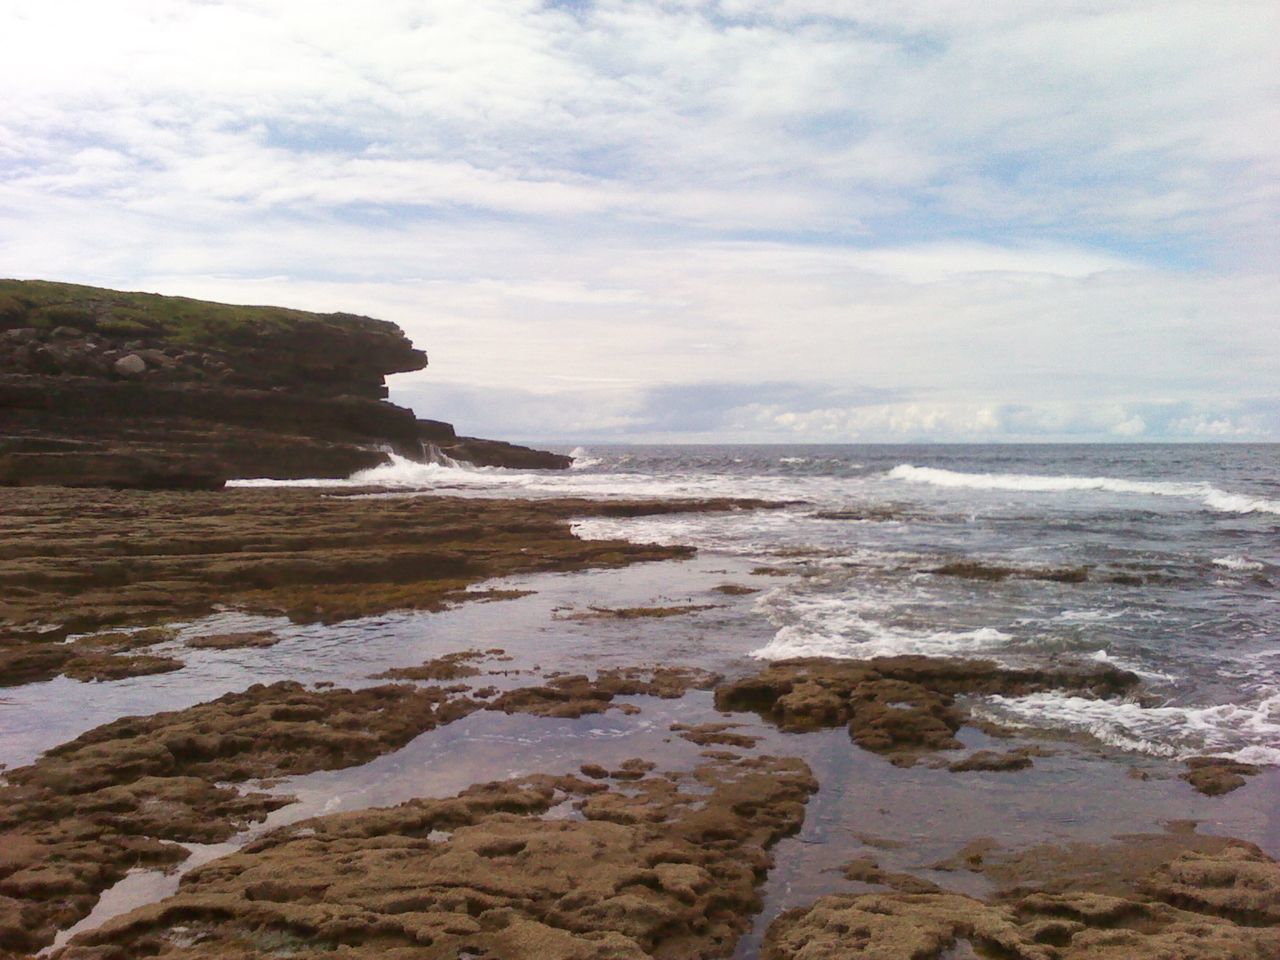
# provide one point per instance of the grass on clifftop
(45, 305)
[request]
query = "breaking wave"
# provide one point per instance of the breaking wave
(1239, 564)
(1244, 732)
(1205, 493)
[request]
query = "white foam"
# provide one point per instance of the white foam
(582, 459)
(1102, 656)
(826, 626)
(1205, 493)
(1237, 563)
(1242, 732)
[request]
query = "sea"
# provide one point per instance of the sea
(1159, 559)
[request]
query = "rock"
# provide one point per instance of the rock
(1145, 897)
(900, 926)
(578, 695)
(494, 453)
(1214, 776)
(990, 760)
(1238, 882)
(235, 641)
(976, 570)
(668, 868)
(131, 365)
(120, 796)
(263, 391)
(901, 707)
(81, 559)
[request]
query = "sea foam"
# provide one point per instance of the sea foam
(1207, 494)
(1244, 732)
(1239, 564)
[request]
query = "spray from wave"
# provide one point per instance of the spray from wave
(1205, 493)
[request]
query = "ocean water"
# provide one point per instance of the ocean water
(1176, 548)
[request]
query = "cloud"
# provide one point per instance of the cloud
(1028, 218)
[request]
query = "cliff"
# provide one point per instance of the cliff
(104, 388)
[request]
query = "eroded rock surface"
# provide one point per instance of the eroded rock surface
(79, 560)
(124, 794)
(104, 656)
(576, 695)
(1214, 776)
(668, 866)
(1220, 903)
(901, 707)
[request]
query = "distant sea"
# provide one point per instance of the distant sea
(1160, 559)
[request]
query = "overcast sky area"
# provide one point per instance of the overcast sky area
(745, 220)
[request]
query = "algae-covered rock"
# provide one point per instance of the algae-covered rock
(484, 874)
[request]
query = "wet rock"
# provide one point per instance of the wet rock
(1238, 882)
(635, 613)
(100, 667)
(1214, 776)
(658, 871)
(578, 695)
(452, 666)
(977, 570)
(235, 641)
(901, 707)
(992, 761)
(124, 794)
(94, 657)
(715, 734)
(1083, 927)
(82, 559)
(1146, 897)
(866, 870)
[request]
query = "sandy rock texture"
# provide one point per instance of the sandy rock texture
(665, 866)
(900, 707)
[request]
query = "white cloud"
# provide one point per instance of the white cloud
(988, 209)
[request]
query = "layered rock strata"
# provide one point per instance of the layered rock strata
(104, 388)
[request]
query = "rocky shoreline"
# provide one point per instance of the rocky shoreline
(621, 783)
(637, 858)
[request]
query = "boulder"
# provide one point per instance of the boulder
(131, 365)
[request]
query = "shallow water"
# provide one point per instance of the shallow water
(907, 819)
(1181, 554)
(1179, 545)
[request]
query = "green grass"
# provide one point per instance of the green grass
(45, 304)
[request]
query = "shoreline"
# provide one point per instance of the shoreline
(547, 615)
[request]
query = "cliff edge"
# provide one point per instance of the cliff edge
(105, 388)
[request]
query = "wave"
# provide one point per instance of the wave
(830, 627)
(1207, 494)
(582, 459)
(1243, 732)
(1239, 564)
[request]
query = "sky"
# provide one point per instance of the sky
(743, 220)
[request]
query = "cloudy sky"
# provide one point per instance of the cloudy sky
(790, 220)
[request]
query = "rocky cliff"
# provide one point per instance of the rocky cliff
(104, 388)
